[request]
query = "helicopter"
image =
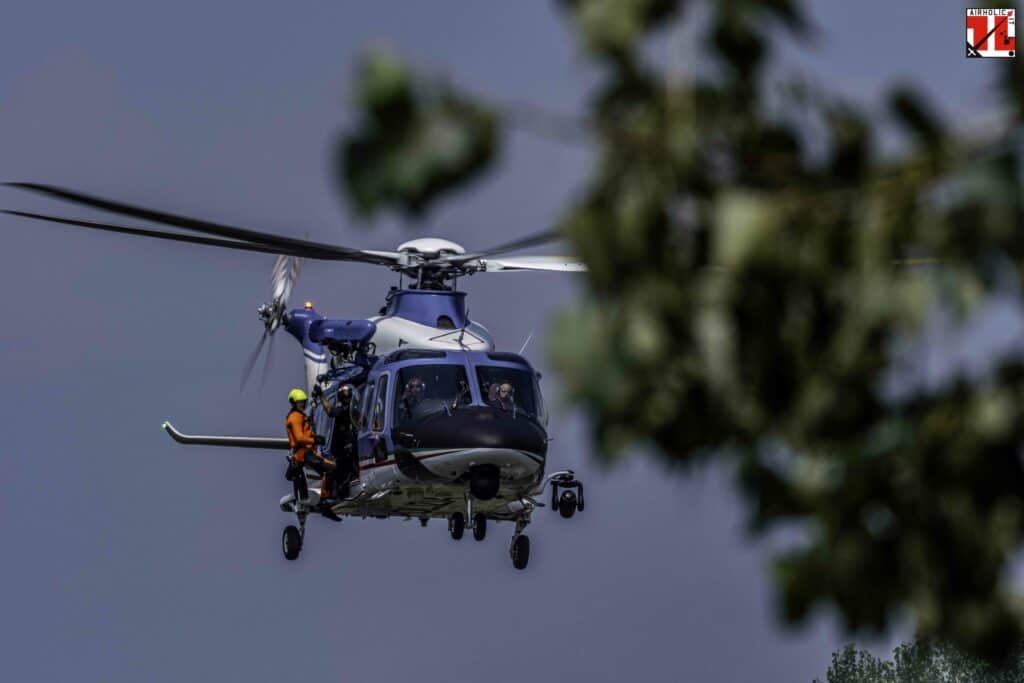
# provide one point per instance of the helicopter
(468, 446)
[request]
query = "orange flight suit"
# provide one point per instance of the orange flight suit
(302, 440)
(300, 434)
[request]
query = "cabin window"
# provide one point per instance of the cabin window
(355, 411)
(364, 407)
(379, 403)
(508, 389)
(423, 390)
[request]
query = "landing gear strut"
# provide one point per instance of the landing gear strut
(478, 520)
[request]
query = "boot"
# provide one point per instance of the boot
(326, 511)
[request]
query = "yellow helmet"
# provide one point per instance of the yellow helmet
(297, 395)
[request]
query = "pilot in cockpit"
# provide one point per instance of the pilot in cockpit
(412, 395)
(500, 395)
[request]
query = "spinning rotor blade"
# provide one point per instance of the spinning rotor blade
(282, 280)
(281, 244)
(533, 263)
(534, 240)
(251, 361)
(266, 363)
(283, 277)
(172, 236)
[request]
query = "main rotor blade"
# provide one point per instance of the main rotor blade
(175, 237)
(536, 239)
(564, 264)
(208, 227)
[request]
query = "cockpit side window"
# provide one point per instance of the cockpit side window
(507, 389)
(542, 410)
(423, 390)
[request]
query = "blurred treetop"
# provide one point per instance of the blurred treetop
(920, 662)
(746, 297)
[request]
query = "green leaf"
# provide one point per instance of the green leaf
(416, 141)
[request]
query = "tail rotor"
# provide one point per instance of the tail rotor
(272, 313)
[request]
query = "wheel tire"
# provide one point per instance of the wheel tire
(456, 525)
(479, 526)
(291, 542)
(520, 551)
(567, 504)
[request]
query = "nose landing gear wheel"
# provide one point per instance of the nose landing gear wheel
(479, 526)
(457, 525)
(291, 542)
(571, 500)
(520, 551)
(567, 504)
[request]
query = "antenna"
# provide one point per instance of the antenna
(526, 342)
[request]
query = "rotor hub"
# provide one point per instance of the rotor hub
(431, 246)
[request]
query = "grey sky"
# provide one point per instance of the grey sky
(129, 557)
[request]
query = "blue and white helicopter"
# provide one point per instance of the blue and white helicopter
(441, 424)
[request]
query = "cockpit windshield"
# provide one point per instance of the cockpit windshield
(423, 390)
(508, 390)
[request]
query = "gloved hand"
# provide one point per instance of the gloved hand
(319, 440)
(317, 391)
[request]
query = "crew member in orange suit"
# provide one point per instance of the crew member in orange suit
(303, 442)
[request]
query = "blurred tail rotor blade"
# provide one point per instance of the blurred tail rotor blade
(266, 363)
(283, 278)
(253, 357)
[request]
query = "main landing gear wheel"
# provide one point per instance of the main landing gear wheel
(457, 525)
(520, 551)
(479, 526)
(291, 542)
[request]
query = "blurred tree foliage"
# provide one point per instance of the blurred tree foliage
(920, 662)
(415, 142)
(746, 297)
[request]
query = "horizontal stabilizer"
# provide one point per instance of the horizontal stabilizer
(232, 441)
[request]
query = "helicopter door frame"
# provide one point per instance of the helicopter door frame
(363, 444)
(378, 422)
(378, 418)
